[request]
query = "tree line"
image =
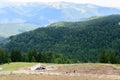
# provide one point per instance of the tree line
(31, 56)
(112, 57)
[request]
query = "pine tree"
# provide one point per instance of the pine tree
(16, 55)
(33, 59)
(4, 57)
(113, 58)
(32, 53)
(103, 57)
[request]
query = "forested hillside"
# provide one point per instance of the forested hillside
(83, 41)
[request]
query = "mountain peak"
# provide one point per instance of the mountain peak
(59, 4)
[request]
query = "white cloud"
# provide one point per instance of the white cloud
(80, 9)
(107, 3)
(91, 6)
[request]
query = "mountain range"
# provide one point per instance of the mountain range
(82, 40)
(43, 14)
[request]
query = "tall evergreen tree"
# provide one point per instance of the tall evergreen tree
(113, 58)
(4, 56)
(16, 55)
(103, 57)
(32, 53)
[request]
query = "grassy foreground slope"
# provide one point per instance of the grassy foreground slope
(85, 71)
(51, 77)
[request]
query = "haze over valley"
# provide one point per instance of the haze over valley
(32, 15)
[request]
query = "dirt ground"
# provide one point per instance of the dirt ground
(50, 77)
(67, 72)
(90, 69)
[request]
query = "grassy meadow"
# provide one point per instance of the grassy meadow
(16, 66)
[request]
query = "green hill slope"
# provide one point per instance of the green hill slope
(83, 41)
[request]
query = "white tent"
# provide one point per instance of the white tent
(35, 67)
(0, 69)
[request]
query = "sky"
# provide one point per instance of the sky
(106, 3)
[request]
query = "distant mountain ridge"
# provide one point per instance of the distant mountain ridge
(43, 14)
(47, 13)
(82, 40)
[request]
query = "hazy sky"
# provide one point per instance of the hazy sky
(107, 3)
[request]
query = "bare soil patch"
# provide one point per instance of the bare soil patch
(50, 77)
(89, 69)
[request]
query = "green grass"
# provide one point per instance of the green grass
(19, 65)
(16, 66)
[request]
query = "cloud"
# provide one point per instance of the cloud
(107, 3)
(3, 4)
(80, 9)
(91, 6)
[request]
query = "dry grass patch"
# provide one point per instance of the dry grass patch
(49, 77)
(107, 69)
